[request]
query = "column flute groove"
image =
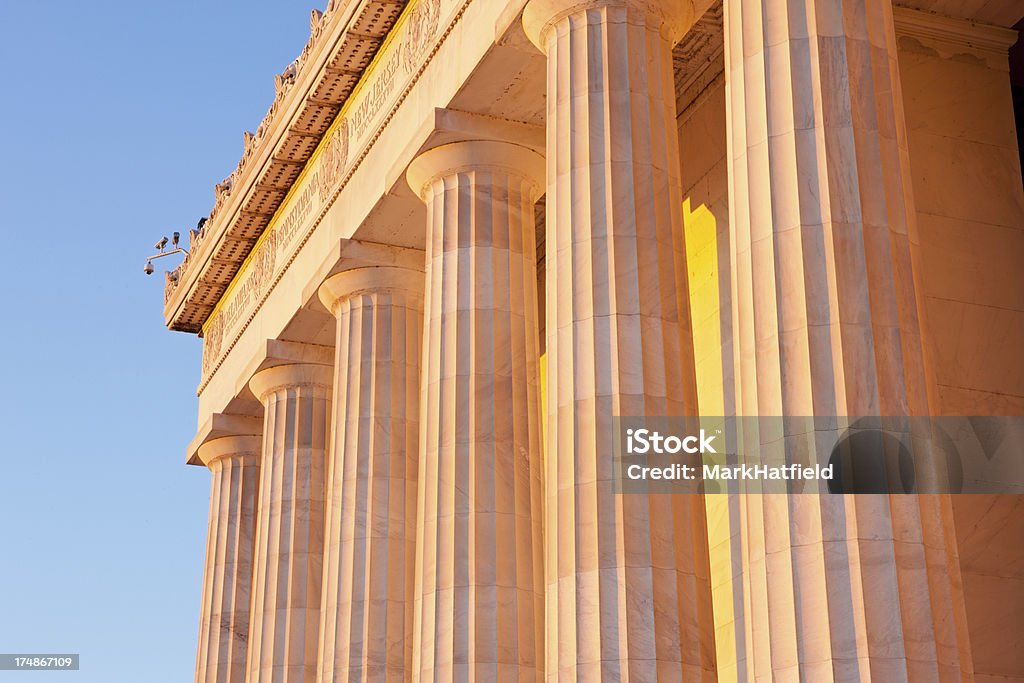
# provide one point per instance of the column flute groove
(823, 235)
(366, 620)
(285, 611)
(628, 593)
(234, 463)
(478, 581)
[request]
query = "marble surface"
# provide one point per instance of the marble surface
(627, 576)
(370, 529)
(288, 562)
(479, 598)
(825, 248)
(234, 463)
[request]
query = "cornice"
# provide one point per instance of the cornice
(698, 58)
(953, 32)
(402, 59)
(308, 96)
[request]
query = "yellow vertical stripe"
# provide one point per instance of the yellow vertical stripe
(700, 228)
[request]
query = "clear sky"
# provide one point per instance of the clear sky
(116, 120)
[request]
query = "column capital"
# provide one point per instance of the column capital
(480, 224)
(475, 155)
(266, 382)
(241, 445)
(219, 425)
(340, 286)
(674, 16)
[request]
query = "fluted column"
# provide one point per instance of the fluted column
(285, 611)
(234, 463)
(366, 613)
(478, 583)
(628, 596)
(826, 324)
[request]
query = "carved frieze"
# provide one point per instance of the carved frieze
(698, 57)
(354, 129)
(231, 195)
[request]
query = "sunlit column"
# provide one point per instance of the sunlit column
(366, 620)
(285, 611)
(234, 463)
(479, 599)
(826, 324)
(628, 595)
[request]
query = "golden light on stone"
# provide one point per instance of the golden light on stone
(471, 234)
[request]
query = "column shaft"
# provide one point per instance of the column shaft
(285, 612)
(628, 595)
(366, 620)
(234, 463)
(826, 323)
(478, 585)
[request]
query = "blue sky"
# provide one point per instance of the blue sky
(116, 120)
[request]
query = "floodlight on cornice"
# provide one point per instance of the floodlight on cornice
(160, 246)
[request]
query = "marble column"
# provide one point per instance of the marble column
(285, 611)
(366, 612)
(234, 463)
(628, 595)
(826, 323)
(479, 600)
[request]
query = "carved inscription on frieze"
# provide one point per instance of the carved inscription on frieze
(359, 121)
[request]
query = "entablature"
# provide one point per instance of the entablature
(309, 94)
